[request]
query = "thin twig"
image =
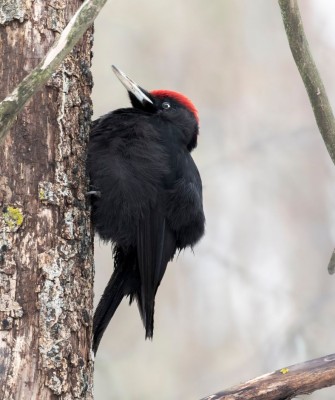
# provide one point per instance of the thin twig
(286, 383)
(310, 75)
(13, 104)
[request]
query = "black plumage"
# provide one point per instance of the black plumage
(146, 194)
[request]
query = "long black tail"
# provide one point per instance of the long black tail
(118, 286)
(137, 274)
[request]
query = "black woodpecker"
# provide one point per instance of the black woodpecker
(146, 194)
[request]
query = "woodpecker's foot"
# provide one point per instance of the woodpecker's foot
(96, 193)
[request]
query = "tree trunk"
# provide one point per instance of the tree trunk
(46, 253)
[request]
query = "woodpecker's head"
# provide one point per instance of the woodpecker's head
(171, 106)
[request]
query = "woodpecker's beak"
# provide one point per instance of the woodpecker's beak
(131, 86)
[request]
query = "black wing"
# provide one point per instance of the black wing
(156, 246)
(185, 212)
(126, 164)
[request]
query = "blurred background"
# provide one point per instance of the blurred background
(255, 296)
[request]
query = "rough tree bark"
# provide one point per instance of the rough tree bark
(46, 252)
(14, 102)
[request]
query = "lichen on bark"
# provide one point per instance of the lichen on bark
(12, 10)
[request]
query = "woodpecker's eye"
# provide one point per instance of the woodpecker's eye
(166, 105)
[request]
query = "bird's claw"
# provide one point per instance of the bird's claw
(95, 193)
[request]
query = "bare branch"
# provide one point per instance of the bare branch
(284, 384)
(309, 73)
(313, 83)
(13, 104)
(331, 265)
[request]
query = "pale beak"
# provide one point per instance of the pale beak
(131, 86)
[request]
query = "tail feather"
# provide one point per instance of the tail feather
(109, 302)
(137, 274)
(149, 319)
(120, 284)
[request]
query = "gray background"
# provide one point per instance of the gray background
(255, 296)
